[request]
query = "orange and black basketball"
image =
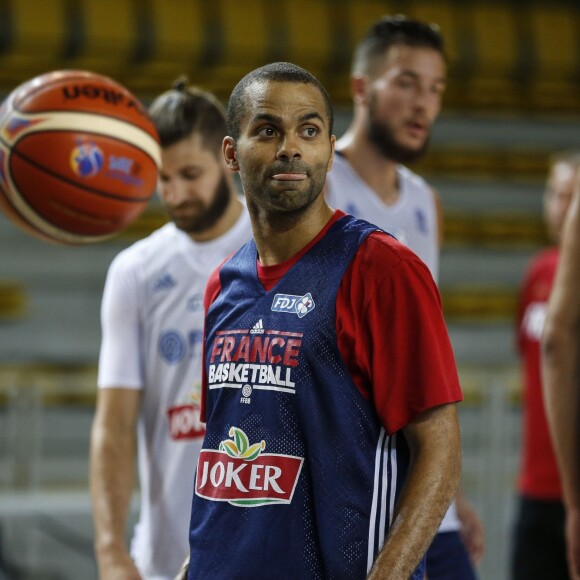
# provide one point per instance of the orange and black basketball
(79, 157)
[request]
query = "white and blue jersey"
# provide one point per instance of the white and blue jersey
(412, 219)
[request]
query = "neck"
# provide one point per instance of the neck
(279, 236)
(225, 222)
(376, 170)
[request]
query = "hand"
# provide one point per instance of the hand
(119, 568)
(573, 542)
(182, 574)
(471, 528)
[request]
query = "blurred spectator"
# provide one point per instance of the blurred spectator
(539, 546)
(398, 79)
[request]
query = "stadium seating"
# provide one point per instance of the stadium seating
(555, 83)
(179, 42)
(511, 55)
(12, 300)
(494, 79)
(33, 39)
(107, 36)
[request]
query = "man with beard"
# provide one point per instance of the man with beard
(151, 352)
(398, 80)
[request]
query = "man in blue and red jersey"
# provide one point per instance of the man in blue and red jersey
(332, 445)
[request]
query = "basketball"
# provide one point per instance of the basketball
(79, 157)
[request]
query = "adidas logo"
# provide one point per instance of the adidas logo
(258, 328)
(164, 282)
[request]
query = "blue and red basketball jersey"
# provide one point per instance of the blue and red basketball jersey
(297, 477)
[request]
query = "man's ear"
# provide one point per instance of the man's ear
(331, 160)
(230, 154)
(358, 88)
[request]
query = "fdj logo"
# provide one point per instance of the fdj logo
(300, 305)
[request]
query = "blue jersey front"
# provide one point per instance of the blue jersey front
(297, 478)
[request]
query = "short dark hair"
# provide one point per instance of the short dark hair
(184, 110)
(390, 31)
(279, 72)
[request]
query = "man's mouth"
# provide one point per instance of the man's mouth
(289, 176)
(417, 127)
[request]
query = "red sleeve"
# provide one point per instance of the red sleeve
(392, 335)
(212, 290)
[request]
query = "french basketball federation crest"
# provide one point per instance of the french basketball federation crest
(291, 304)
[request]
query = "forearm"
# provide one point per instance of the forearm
(112, 476)
(432, 482)
(561, 355)
(561, 376)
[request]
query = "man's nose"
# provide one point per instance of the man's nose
(289, 148)
(174, 192)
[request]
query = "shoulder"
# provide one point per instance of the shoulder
(144, 248)
(382, 268)
(411, 177)
(415, 182)
(214, 285)
(381, 252)
(159, 245)
(213, 288)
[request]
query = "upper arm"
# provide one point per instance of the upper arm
(392, 334)
(120, 354)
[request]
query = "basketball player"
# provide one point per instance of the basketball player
(560, 356)
(398, 79)
(539, 544)
(332, 447)
(150, 362)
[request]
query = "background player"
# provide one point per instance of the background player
(398, 79)
(150, 361)
(332, 499)
(539, 544)
(560, 356)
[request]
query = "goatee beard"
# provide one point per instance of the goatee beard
(206, 219)
(382, 138)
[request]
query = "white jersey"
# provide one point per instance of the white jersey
(412, 219)
(152, 322)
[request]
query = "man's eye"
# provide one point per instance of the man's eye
(311, 131)
(266, 132)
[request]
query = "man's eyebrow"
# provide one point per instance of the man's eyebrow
(416, 76)
(277, 120)
(313, 115)
(266, 117)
